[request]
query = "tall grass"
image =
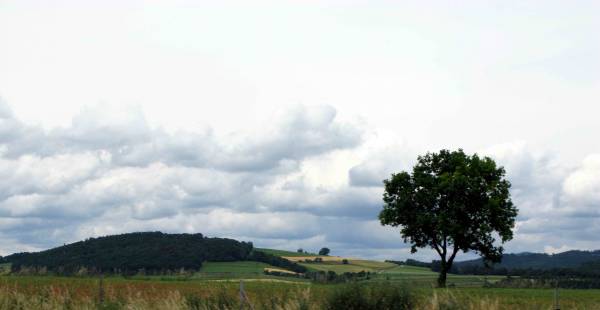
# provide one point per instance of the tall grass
(370, 297)
(345, 297)
(447, 300)
(68, 293)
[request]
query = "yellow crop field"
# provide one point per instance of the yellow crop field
(280, 271)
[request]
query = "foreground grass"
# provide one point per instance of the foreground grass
(50, 292)
(242, 267)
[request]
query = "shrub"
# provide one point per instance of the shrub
(370, 297)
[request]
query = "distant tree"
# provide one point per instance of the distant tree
(300, 250)
(345, 261)
(451, 202)
(324, 251)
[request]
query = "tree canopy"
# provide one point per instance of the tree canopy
(152, 252)
(451, 202)
(324, 251)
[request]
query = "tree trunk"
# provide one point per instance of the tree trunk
(442, 275)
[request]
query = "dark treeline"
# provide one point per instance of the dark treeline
(586, 270)
(526, 261)
(586, 276)
(573, 269)
(410, 262)
(148, 252)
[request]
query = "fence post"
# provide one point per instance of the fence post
(241, 294)
(556, 296)
(101, 289)
(244, 297)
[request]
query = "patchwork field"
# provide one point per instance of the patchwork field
(217, 286)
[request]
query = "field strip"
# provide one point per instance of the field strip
(323, 258)
(258, 280)
(280, 270)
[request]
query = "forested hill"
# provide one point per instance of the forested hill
(148, 251)
(538, 261)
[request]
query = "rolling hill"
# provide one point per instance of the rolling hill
(537, 261)
(150, 252)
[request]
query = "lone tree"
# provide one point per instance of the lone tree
(324, 251)
(451, 202)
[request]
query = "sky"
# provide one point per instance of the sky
(276, 122)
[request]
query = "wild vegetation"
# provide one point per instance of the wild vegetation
(50, 292)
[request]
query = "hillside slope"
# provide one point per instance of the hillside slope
(126, 253)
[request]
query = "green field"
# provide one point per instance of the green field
(285, 253)
(216, 286)
(153, 293)
(384, 271)
(248, 270)
(352, 266)
(244, 267)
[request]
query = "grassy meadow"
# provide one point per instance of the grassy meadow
(50, 292)
(217, 286)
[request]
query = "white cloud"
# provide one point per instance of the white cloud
(121, 174)
(202, 138)
(307, 179)
(582, 187)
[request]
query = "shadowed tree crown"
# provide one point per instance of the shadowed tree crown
(451, 202)
(324, 251)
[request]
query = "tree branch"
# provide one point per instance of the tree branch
(454, 252)
(437, 249)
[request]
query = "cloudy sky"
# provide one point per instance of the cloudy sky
(276, 123)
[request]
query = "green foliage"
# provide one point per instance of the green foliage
(366, 297)
(194, 302)
(451, 202)
(324, 251)
(284, 253)
(410, 262)
(150, 252)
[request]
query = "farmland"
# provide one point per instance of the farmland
(216, 286)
